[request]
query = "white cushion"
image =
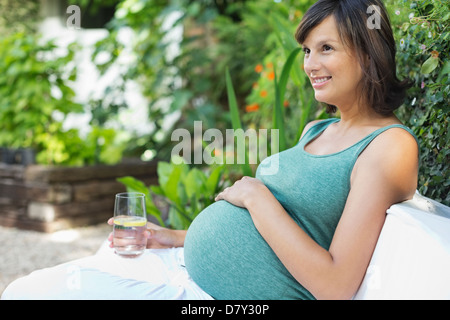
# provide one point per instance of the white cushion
(412, 256)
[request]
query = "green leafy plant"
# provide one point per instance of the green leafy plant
(298, 102)
(421, 29)
(278, 115)
(18, 16)
(35, 98)
(186, 191)
(189, 81)
(235, 119)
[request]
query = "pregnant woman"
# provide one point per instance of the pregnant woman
(308, 231)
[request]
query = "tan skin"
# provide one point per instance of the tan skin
(385, 173)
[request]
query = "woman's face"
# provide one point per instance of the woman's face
(332, 67)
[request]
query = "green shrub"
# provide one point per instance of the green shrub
(33, 93)
(237, 34)
(35, 98)
(423, 56)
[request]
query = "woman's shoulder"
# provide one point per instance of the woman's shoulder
(394, 155)
(389, 133)
(397, 137)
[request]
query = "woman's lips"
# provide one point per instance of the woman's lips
(318, 82)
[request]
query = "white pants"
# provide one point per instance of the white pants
(156, 274)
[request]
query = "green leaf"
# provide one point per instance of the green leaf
(133, 184)
(235, 120)
(212, 183)
(283, 33)
(280, 89)
(278, 121)
(195, 182)
(175, 219)
(429, 65)
(304, 117)
(171, 186)
(286, 71)
(157, 190)
(234, 110)
(164, 169)
(180, 99)
(445, 70)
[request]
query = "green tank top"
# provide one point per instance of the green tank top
(224, 252)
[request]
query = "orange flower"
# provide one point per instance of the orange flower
(252, 107)
(434, 54)
(269, 65)
(286, 103)
(259, 68)
(263, 93)
(271, 75)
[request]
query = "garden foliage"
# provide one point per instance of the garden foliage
(422, 32)
(33, 94)
(183, 77)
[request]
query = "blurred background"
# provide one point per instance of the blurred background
(91, 91)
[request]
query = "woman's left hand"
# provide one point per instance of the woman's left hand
(241, 191)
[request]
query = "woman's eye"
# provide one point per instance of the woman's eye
(327, 48)
(306, 50)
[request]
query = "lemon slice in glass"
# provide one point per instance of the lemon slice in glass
(128, 221)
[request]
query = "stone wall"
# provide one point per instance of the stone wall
(54, 198)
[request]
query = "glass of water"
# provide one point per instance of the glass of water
(130, 222)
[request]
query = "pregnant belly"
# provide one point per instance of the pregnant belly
(227, 257)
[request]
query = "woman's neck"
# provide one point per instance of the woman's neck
(364, 116)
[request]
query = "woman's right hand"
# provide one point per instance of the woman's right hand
(158, 237)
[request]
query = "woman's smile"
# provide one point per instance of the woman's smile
(319, 82)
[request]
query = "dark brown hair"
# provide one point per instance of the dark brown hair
(374, 45)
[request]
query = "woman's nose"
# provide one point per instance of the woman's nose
(311, 64)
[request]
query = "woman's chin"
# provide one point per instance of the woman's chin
(321, 98)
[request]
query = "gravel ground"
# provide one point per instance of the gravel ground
(23, 251)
